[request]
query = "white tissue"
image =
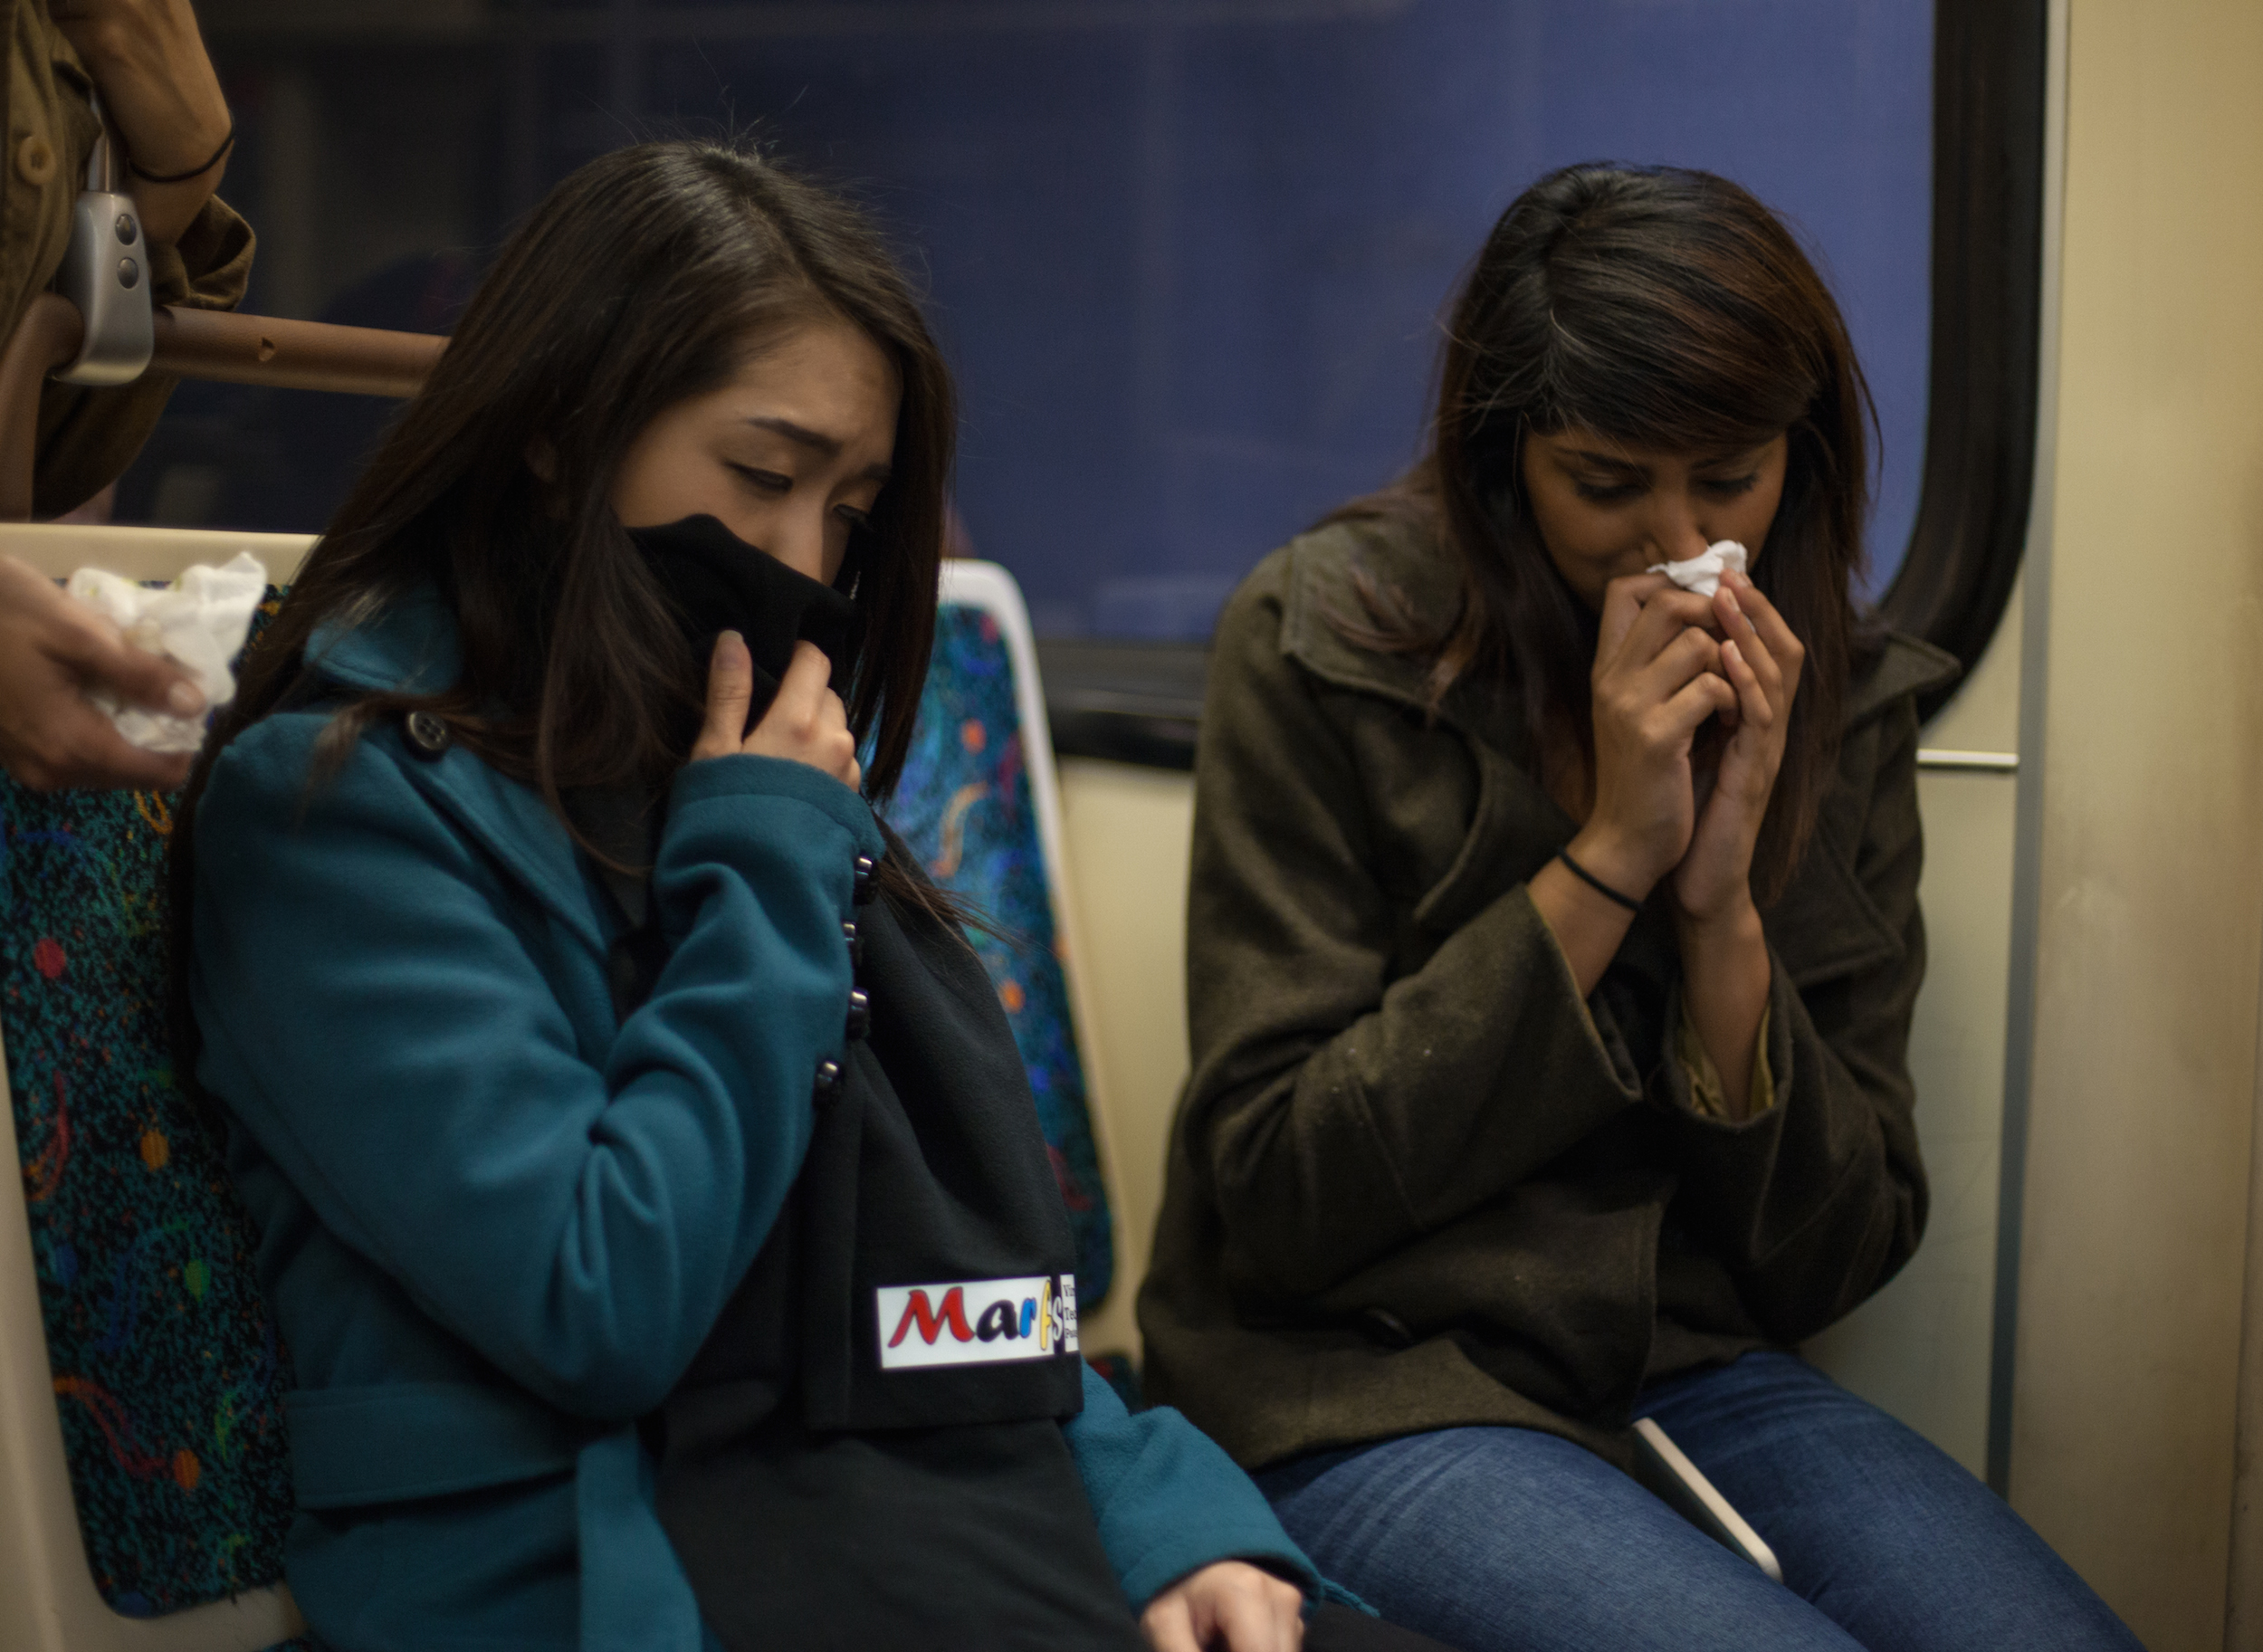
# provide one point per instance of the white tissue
(198, 622)
(1702, 574)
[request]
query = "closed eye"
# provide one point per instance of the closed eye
(1608, 492)
(770, 482)
(1729, 487)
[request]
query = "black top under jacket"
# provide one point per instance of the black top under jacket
(816, 1498)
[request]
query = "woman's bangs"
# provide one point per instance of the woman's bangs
(1656, 382)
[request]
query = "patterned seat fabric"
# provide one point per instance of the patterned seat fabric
(167, 1368)
(964, 803)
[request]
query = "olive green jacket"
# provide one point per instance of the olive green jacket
(1415, 1183)
(86, 437)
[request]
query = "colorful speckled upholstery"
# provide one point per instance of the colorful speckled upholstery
(964, 803)
(166, 1369)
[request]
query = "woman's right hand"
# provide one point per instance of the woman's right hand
(805, 722)
(1658, 677)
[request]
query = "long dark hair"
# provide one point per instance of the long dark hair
(641, 281)
(1666, 308)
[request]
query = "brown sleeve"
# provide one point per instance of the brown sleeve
(87, 438)
(1337, 1112)
(1815, 1204)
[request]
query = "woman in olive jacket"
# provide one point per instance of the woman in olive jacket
(1553, 936)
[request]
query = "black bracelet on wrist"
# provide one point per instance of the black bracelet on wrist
(218, 155)
(1596, 884)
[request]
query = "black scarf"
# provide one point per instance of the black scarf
(716, 582)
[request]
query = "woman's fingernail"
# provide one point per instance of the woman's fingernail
(184, 700)
(724, 640)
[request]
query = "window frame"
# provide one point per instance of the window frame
(1990, 64)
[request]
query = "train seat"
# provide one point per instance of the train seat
(143, 1485)
(980, 803)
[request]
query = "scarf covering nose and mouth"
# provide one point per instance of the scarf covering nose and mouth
(716, 582)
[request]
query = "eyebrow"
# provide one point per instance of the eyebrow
(1612, 463)
(801, 435)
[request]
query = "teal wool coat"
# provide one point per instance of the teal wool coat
(496, 1226)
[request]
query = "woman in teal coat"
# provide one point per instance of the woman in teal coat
(648, 1189)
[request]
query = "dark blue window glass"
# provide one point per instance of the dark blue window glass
(1191, 274)
(1188, 256)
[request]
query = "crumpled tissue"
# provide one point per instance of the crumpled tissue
(198, 622)
(1702, 574)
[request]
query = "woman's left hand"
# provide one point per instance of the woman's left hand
(1228, 1606)
(1761, 659)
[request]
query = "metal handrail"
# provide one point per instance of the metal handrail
(209, 344)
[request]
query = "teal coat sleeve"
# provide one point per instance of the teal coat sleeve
(372, 995)
(1169, 1501)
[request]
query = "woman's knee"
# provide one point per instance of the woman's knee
(1512, 1539)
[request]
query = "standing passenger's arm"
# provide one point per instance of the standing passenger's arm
(157, 80)
(150, 68)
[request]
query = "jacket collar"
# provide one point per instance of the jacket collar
(410, 647)
(1321, 589)
(413, 647)
(1906, 665)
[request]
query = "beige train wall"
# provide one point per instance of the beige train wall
(2129, 679)
(2149, 716)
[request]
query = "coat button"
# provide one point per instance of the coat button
(428, 737)
(864, 890)
(855, 944)
(1384, 1327)
(859, 1012)
(829, 1085)
(35, 160)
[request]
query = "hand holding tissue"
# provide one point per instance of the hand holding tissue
(199, 622)
(1702, 574)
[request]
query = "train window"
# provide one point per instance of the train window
(1189, 258)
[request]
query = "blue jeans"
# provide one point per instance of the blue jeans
(1506, 1539)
